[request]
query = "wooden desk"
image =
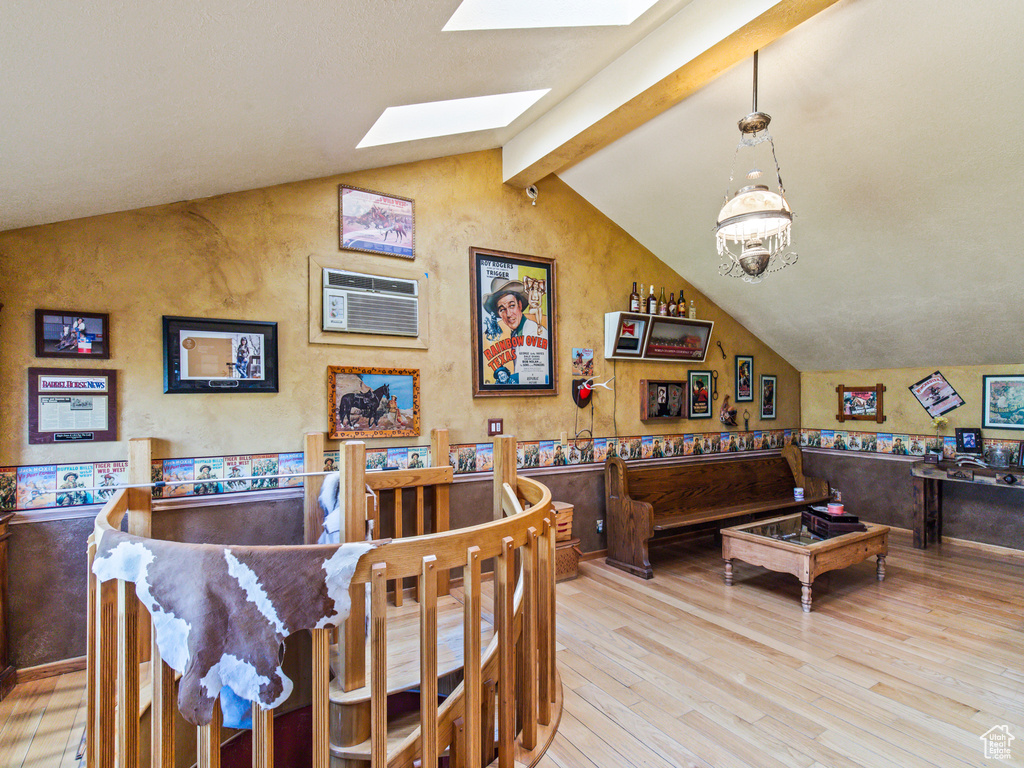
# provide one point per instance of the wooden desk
(928, 479)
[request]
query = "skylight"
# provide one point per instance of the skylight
(444, 118)
(532, 14)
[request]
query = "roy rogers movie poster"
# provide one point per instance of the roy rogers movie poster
(513, 323)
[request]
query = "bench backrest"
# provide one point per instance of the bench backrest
(694, 486)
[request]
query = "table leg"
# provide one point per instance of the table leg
(805, 597)
(728, 573)
(920, 491)
(880, 570)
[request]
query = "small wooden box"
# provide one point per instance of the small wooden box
(563, 520)
(567, 560)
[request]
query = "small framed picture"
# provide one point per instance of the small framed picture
(699, 385)
(373, 222)
(744, 378)
(768, 396)
(68, 333)
(1002, 402)
(372, 402)
(207, 355)
(968, 440)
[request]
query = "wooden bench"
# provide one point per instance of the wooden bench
(644, 502)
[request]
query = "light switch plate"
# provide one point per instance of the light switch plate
(495, 427)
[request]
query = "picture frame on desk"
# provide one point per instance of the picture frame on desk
(968, 440)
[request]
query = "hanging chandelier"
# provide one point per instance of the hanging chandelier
(754, 226)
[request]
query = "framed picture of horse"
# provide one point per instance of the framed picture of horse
(373, 222)
(372, 402)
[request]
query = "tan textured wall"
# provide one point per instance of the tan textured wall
(245, 256)
(904, 414)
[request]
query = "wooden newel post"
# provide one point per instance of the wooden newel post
(312, 461)
(352, 500)
(439, 450)
(140, 515)
(504, 468)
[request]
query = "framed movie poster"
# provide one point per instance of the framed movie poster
(700, 394)
(206, 355)
(72, 405)
(67, 333)
(861, 403)
(373, 222)
(372, 402)
(744, 378)
(768, 396)
(936, 395)
(512, 303)
(1003, 402)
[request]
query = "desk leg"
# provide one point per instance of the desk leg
(920, 513)
(935, 513)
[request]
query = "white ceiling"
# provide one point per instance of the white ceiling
(893, 123)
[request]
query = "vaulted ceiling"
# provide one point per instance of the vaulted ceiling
(893, 124)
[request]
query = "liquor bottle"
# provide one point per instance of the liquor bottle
(682, 304)
(662, 303)
(652, 303)
(634, 299)
(693, 309)
(673, 308)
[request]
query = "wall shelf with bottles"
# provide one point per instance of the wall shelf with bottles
(638, 336)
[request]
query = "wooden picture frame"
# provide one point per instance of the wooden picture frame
(744, 379)
(72, 334)
(769, 396)
(699, 395)
(1002, 402)
(662, 399)
(512, 288)
(72, 405)
(860, 403)
(968, 440)
(209, 355)
(372, 402)
(368, 220)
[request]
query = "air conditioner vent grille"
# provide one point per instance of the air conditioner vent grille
(374, 313)
(338, 279)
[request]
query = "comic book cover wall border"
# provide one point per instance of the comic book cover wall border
(230, 355)
(368, 219)
(66, 333)
(512, 288)
(389, 408)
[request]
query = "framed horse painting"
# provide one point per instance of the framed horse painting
(372, 402)
(374, 222)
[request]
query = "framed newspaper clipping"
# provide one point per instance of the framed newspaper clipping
(72, 405)
(512, 303)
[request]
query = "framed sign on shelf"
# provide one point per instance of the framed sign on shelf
(512, 306)
(207, 355)
(72, 405)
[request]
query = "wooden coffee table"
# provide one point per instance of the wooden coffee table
(763, 543)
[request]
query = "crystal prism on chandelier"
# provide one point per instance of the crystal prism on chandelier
(754, 227)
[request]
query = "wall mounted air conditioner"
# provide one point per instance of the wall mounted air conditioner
(358, 303)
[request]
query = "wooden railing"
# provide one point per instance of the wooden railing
(512, 681)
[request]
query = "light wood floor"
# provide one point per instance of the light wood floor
(684, 671)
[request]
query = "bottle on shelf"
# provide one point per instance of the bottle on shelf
(652, 303)
(634, 299)
(662, 303)
(682, 304)
(673, 308)
(693, 309)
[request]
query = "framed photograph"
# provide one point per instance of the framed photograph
(662, 399)
(1002, 402)
(67, 333)
(968, 440)
(744, 378)
(512, 302)
(372, 402)
(860, 403)
(768, 396)
(373, 222)
(206, 355)
(72, 405)
(936, 395)
(699, 386)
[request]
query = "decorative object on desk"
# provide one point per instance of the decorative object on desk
(699, 386)
(754, 227)
(727, 414)
(744, 378)
(998, 456)
(71, 405)
(512, 304)
(860, 403)
(936, 395)
(1002, 402)
(68, 333)
(768, 396)
(372, 402)
(968, 440)
(662, 399)
(208, 355)
(373, 222)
